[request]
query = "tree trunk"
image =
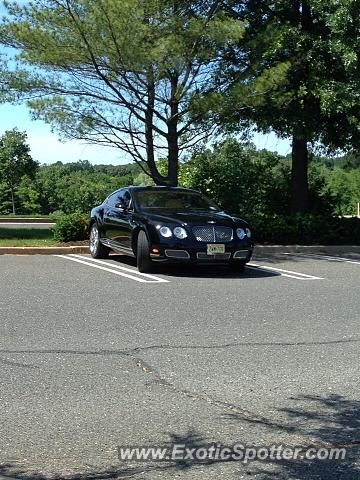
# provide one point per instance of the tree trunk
(300, 199)
(149, 132)
(13, 201)
(299, 177)
(172, 138)
(173, 155)
(173, 135)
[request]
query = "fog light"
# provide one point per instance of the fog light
(155, 250)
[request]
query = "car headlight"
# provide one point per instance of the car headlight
(165, 232)
(180, 233)
(248, 232)
(240, 232)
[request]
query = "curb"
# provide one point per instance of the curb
(25, 220)
(258, 250)
(43, 250)
(316, 249)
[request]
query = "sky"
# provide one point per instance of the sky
(46, 148)
(44, 144)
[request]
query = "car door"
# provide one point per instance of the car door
(117, 219)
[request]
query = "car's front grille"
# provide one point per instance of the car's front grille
(213, 234)
(216, 256)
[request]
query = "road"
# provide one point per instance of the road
(95, 356)
(41, 225)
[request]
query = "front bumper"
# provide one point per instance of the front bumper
(198, 254)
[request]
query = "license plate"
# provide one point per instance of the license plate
(213, 248)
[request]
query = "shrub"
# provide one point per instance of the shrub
(305, 229)
(54, 216)
(71, 227)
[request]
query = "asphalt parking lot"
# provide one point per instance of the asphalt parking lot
(95, 356)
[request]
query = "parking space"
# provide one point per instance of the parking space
(294, 266)
(95, 355)
(332, 268)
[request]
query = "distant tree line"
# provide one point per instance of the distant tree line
(244, 180)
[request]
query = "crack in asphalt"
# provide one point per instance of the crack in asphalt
(158, 379)
(146, 368)
(134, 350)
(4, 361)
(241, 413)
(245, 344)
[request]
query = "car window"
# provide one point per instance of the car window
(121, 196)
(113, 199)
(125, 199)
(173, 200)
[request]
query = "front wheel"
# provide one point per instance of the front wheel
(97, 249)
(143, 259)
(237, 266)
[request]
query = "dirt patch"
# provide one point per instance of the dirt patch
(80, 243)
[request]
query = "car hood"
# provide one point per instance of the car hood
(194, 218)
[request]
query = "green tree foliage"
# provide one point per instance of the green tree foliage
(232, 174)
(28, 196)
(245, 181)
(241, 178)
(295, 72)
(349, 161)
(120, 73)
(70, 187)
(15, 163)
(250, 182)
(344, 188)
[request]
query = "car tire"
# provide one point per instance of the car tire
(97, 249)
(143, 259)
(237, 266)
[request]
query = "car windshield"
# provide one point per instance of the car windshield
(180, 201)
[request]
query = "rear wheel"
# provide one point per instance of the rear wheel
(237, 266)
(97, 249)
(144, 262)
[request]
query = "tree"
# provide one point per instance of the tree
(70, 187)
(28, 196)
(119, 73)
(344, 188)
(295, 72)
(15, 161)
(243, 180)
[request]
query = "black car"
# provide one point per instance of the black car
(168, 224)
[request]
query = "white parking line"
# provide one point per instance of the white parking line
(141, 277)
(325, 257)
(285, 273)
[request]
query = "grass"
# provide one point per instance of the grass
(26, 237)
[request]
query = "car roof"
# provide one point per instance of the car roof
(159, 187)
(135, 188)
